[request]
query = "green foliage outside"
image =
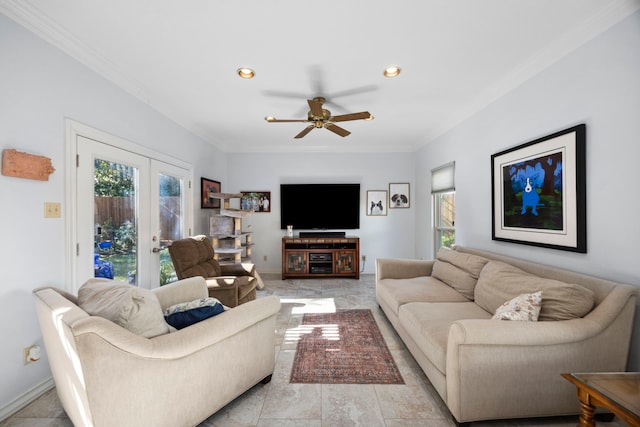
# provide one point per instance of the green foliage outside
(112, 179)
(125, 264)
(117, 180)
(448, 240)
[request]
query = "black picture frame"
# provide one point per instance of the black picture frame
(257, 201)
(539, 192)
(209, 186)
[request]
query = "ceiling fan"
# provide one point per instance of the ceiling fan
(321, 118)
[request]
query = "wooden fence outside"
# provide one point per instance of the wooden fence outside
(112, 212)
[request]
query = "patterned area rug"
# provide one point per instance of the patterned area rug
(345, 347)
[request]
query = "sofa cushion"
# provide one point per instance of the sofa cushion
(395, 292)
(500, 282)
(135, 309)
(458, 270)
(186, 314)
(428, 325)
(524, 307)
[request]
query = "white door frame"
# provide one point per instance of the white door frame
(75, 129)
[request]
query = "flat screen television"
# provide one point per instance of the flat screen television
(320, 206)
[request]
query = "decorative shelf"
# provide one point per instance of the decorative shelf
(231, 245)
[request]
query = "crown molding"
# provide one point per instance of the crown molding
(35, 21)
(607, 17)
(38, 23)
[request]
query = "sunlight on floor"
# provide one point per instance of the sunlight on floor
(329, 332)
(311, 305)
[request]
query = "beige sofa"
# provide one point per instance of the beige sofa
(106, 375)
(494, 369)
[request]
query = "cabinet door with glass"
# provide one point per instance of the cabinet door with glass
(296, 262)
(345, 262)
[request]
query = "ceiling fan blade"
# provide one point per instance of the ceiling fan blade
(304, 131)
(315, 105)
(274, 120)
(353, 91)
(337, 129)
(353, 116)
(284, 94)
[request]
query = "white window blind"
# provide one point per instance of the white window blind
(443, 178)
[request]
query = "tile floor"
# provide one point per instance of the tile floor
(282, 404)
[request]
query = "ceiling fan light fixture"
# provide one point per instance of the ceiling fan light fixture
(392, 71)
(246, 73)
(269, 118)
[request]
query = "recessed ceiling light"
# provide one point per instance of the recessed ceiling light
(246, 73)
(392, 71)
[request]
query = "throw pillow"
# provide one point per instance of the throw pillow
(525, 307)
(135, 309)
(185, 314)
(458, 270)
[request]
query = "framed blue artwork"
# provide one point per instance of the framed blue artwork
(539, 192)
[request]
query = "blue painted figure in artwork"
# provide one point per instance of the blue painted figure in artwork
(530, 198)
(528, 179)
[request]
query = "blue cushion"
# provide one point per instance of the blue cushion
(182, 319)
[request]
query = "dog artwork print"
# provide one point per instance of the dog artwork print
(533, 193)
(399, 201)
(399, 195)
(538, 192)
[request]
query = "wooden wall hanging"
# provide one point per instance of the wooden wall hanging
(23, 165)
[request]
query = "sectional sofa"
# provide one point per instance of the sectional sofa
(448, 310)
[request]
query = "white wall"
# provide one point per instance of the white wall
(380, 236)
(40, 87)
(599, 84)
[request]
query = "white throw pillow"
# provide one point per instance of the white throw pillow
(135, 309)
(524, 307)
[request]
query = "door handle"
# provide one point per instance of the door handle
(156, 250)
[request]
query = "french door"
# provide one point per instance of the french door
(129, 208)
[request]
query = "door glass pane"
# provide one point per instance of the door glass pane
(115, 219)
(171, 220)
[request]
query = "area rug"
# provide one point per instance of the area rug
(345, 347)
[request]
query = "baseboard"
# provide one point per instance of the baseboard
(26, 398)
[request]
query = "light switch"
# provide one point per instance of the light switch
(51, 210)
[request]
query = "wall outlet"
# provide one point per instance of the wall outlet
(364, 258)
(264, 258)
(31, 354)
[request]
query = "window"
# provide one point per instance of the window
(444, 206)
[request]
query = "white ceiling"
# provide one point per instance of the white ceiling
(181, 57)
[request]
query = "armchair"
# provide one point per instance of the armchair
(232, 284)
(106, 375)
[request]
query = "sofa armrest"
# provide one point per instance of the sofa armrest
(184, 342)
(525, 359)
(184, 290)
(394, 268)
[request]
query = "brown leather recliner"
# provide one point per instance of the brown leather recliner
(232, 284)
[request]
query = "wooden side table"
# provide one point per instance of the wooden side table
(617, 392)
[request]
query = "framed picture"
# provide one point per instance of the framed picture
(399, 195)
(258, 201)
(539, 192)
(209, 186)
(376, 202)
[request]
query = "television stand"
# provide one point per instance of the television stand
(320, 257)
